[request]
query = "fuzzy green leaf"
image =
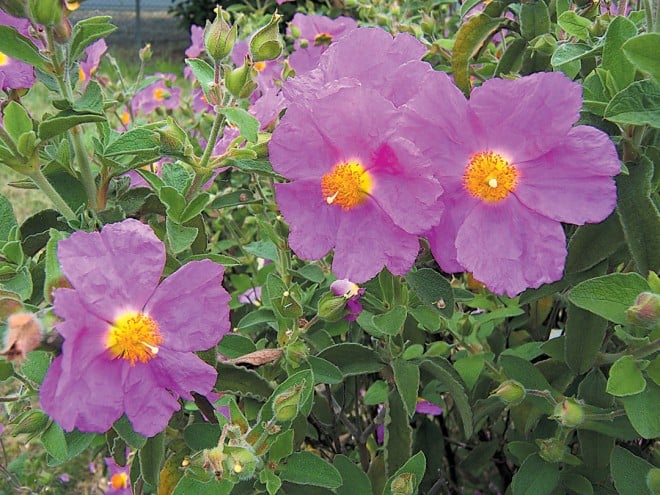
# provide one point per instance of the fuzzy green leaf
(305, 468)
(640, 51)
(637, 104)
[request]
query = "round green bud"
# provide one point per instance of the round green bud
(265, 44)
(646, 311)
(569, 413)
(286, 404)
(511, 391)
(46, 12)
(219, 37)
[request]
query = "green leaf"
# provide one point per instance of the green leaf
(625, 378)
(54, 277)
(324, 371)
(441, 370)
(593, 243)
(7, 218)
(125, 430)
(583, 338)
(189, 486)
(376, 393)
(535, 477)
(241, 381)
(152, 456)
(179, 237)
(406, 377)
(19, 47)
(87, 31)
(246, 123)
(642, 411)
(429, 318)
(637, 104)
(629, 472)
(263, 249)
(471, 36)
(305, 468)
(204, 74)
(135, 141)
(512, 58)
(54, 442)
(234, 345)
(91, 100)
(640, 51)
(195, 207)
(615, 61)
(391, 323)
(16, 120)
(235, 198)
(35, 366)
(574, 24)
(354, 480)
(65, 120)
(174, 202)
(352, 359)
(570, 52)
(639, 215)
(610, 295)
(398, 434)
(200, 436)
(259, 167)
(256, 319)
(534, 19)
(469, 368)
(312, 272)
(432, 288)
(409, 475)
(271, 480)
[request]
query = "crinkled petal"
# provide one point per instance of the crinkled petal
(183, 372)
(149, 407)
(75, 315)
(545, 107)
(408, 194)
(572, 182)
(368, 241)
(191, 307)
(510, 248)
(312, 222)
(114, 270)
(83, 393)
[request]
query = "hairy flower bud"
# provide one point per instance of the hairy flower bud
(551, 449)
(287, 404)
(511, 391)
(241, 462)
(62, 31)
(146, 52)
(646, 311)
(213, 460)
(23, 335)
(404, 484)
(219, 37)
(32, 422)
(331, 307)
(46, 12)
(569, 413)
(239, 82)
(16, 8)
(265, 44)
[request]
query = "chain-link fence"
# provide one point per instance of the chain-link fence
(139, 22)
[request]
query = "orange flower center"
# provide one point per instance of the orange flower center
(125, 117)
(160, 94)
(259, 66)
(119, 480)
(490, 177)
(346, 185)
(4, 59)
(134, 337)
(323, 39)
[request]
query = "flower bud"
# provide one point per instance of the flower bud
(653, 480)
(427, 24)
(569, 413)
(62, 31)
(295, 353)
(287, 404)
(331, 307)
(219, 37)
(46, 12)
(404, 484)
(241, 462)
(146, 52)
(646, 311)
(265, 43)
(551, 449)
(511, 391)
(23, 335)
(239, 82)
(261, 146)
(213, 460)
(16, 8)
(174, 141)
(33, 422)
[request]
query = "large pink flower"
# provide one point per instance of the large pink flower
(16, 74)
(356, 185)
(128, 340)
(159, 94)
(513, 168)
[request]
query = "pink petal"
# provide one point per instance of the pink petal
(114, 270)
(368, 241)
(183, 372)
(572, 182)
(313, 223)
(149, 407)
(510, 248)
(526, 117)
(191, 307)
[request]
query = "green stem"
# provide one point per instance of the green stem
(648, 8)
(4, 135)
(546, 394)
(42, 183)
(218, 122)
(639, 353)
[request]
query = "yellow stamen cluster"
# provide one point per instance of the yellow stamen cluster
(323, 39)
(259, 66)
(490, 177)
(119, 480)
(346, 185)
(160, 94)
(134, 337)
(4, 59)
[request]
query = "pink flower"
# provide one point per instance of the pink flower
(251, 296)
(352, 292)
(91, 62)
(133, 336)
(119, 478)
(160, 94)
(356, 185)
(512, 171)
